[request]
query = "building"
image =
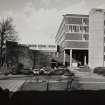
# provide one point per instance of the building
(81, 38)
(42, 47)
(97, 38)
(72, 39)
(44, 55)
(29, 56)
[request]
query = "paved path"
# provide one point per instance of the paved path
(10, 76)
(87, 75)
(14, 82)
(88, 81)
(82, 81)
(12, 85)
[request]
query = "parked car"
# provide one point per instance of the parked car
(44, 70)
(36, 71)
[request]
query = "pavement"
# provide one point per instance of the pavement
(12, 85)
(2, 76)
(8, 82)
(88, 81)
(82, 80)
(87, 75)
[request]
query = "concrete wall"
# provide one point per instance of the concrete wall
(75, 44)
(96, 38)
(73, 36)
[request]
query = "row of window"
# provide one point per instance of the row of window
(73, 28)
(70, 20)
(74, 36)
(49, 46)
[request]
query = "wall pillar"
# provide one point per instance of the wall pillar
(85, 60)
(64, 57)
(70, 57)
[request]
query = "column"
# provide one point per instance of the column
(64, 57)
(85, 60)
(70, 57)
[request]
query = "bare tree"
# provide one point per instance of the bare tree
(7, 32)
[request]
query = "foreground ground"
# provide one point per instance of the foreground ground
(81, 81)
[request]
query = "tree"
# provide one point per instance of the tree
(7, 32)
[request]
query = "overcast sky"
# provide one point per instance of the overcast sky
(37, 21)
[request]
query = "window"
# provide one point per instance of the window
(86, 21)
(70, 20)
(104, 22)
(104, 31)
(98, 10)
(81, 28)
(104, 57)
(86, 29)
(76, 28)
(41, 45)
(52, 46)
(70, 28)
(85, 37)
(66, 28)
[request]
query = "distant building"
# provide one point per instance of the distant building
(30, 56)
(42, 47)
(44, 55)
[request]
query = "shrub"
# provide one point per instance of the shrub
(16, 69)
(84, 69)
(20, 66)
(99, 70)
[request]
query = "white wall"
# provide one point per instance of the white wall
(96, 38)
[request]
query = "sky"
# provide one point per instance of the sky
(37, 21)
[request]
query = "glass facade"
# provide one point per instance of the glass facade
(70, 20)
(76, 28)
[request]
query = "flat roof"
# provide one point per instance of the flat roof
(76, 15)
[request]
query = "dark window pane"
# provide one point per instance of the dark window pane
(86, 37)
(86, 21)
(104, 57)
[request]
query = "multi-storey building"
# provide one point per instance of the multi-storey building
(82, 37)
(72, 39)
